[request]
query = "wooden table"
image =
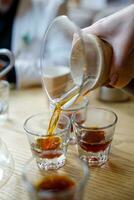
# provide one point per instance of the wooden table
(114, 181)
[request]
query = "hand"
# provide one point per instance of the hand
(118, 31)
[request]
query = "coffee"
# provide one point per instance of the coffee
(47, 144)
(56, 184)
(93, 141)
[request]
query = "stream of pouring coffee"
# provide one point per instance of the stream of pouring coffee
(57, 111)
(77, 92)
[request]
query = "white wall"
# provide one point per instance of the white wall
(94, 4)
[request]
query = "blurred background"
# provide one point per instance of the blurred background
(24, 22)
(85, 12)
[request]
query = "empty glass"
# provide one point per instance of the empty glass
(65, 183)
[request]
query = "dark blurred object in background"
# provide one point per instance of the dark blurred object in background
(112, 95)
(118, 1)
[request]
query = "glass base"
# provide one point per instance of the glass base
(3, 118)
(3, 112)
(73, 139)
(95, 159)
(6, 164)
(50, 164)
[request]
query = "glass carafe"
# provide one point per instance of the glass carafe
(62, 76)
(72, 62)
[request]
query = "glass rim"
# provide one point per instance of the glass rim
(80, 184)
(3, 84)
(97, 128)
(86, 102)
(37, 134)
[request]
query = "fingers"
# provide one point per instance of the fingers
(97, 28)
(118, 31)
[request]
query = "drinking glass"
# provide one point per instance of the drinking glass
(55, 61)
(74, 59)
(6, 164)
(80, 108)
(41, 141)
(95, 135)
(4, 100)
(67, 182)
(6, 160)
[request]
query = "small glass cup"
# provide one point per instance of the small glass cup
(95, 135)
(4, 100)
(6, 164)
(80, 108)
(40, 141)
(67, 182)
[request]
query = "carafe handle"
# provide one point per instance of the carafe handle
(10, 56)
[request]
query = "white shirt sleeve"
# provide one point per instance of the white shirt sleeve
(33, 24)
(27, 73)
